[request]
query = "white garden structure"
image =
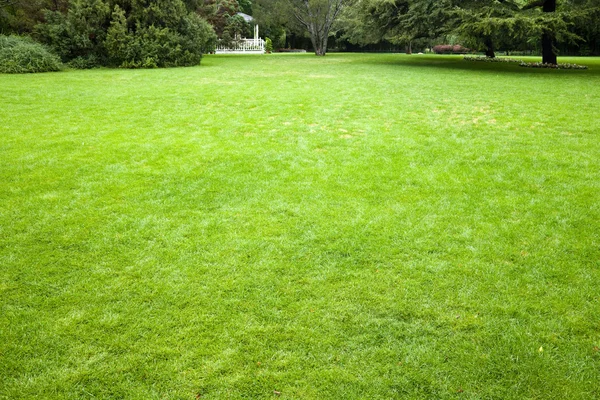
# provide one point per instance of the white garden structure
(244, 45)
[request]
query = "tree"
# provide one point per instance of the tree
(218, 13)
(482, 23)
(397, 21)
(317, 17)
(587, 27)
(517, 21)
(486, 25)
(277, 21)
(556, 24)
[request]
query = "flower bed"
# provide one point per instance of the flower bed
(488, 59)
(552, 66)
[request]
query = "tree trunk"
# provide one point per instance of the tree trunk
(548, 54)
(409, 47)
(490, 49)
(319, 44)
(322, 48)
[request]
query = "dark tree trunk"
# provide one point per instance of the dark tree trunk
(409, 47)
(490, 49)
(321, 47)
(548, 54)
(319, 42)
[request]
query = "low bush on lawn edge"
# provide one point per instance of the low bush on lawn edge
(19, 55)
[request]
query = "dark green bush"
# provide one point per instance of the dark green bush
(143, 45)
(135, 34)
(79, 33)
(88, 62)
(19, 55)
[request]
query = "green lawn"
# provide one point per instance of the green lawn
(295, 227)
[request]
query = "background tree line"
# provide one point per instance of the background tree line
(149, 33)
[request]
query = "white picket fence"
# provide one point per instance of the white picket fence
(243, 46)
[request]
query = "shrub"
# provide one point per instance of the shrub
(132, 34)
(450, 49)
(78, 33)
(154, 46)
(268, 46)
(88, 62)
(19, 55)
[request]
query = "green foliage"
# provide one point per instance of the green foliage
(277, 21)
(20, 16)
(218, 12)
(178, 42)
(396, 21)
(278, 36)
(20, 55)
(78, 33)
(88, 62)
(245, 6)
(268, 45)
(136, 34)
(480, 24)
(236, 26)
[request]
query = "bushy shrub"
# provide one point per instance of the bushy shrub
(151, 46)
(19, 55)
(450, 49)
(268, 46)
(135, 34)
(79, 33)
(88, 62)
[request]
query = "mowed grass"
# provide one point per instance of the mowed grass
(294, 227)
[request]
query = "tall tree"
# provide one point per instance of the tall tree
(317, 17)
(549, 55)
(552, 21)
(486, 25)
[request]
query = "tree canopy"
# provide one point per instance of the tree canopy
(482, 24)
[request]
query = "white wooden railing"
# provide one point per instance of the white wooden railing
(241, 46)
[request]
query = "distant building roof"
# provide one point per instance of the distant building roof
(247, 18)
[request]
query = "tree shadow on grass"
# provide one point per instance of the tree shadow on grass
(455, 64)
